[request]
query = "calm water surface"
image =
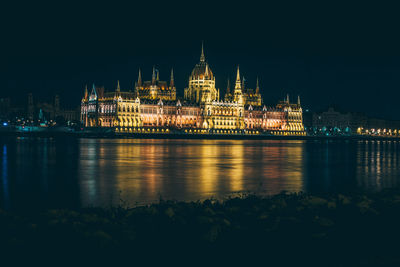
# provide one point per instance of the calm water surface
(46, 172)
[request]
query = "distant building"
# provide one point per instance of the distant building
(350, 122)
(374, 123)
(49, 111)
(332, 119)
(5, 108)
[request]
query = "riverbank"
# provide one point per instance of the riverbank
(182, 135)
(286, 229)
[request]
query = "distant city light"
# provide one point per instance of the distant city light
(5, 123)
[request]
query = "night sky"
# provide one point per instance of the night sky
(347, 55)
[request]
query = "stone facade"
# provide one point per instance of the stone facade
(153, 106)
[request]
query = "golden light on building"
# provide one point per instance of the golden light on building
(153, 105)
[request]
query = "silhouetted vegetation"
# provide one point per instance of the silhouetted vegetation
(286, 229)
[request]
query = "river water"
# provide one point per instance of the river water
(73, 172)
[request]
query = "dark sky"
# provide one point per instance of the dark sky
(328, 53)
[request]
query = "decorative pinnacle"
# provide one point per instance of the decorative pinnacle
(257, 87)
(153, 77)
(238, 75)
(172, 78)
(118, 87)
(139, 80)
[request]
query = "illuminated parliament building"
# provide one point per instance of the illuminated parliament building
(153, 106)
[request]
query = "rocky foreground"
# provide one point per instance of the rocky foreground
(283, 230)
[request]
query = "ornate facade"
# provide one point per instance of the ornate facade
(153, 107)
(155, 89)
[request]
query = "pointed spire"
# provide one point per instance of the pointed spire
(158, 75)
(202, 57)
(139, 80)
(298, 100)
(153, 77)
(172, 83)
(238, 74)
(287, 98)
(94, 93)
(243, 83)
(238, 84)
(86, 92)
(228, 87)
(118, 87)
(257, 87)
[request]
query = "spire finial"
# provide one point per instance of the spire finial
(287, 98)
(228, 87)
(118, 87)
(139, 80)
(172, 84)
(153, 77)
(202, 57)
(238, 74)
(257, 87)
(298, 100)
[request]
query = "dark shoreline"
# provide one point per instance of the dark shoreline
(282, 230)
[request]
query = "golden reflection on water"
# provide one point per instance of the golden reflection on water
(142, 171)
(100, 172)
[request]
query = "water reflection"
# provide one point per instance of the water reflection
(4, 177)
(142, 171)
(377, 165)
(102, 172)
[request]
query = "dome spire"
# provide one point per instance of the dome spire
(202, 57)
(228, 87)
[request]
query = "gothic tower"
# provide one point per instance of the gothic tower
(238, 95)
(201, 83)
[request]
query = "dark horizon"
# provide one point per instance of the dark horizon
(342, 55)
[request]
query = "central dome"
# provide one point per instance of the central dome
(202, 70)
